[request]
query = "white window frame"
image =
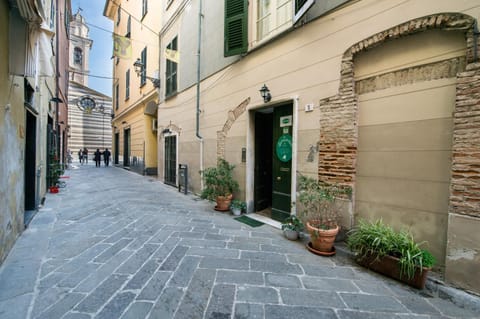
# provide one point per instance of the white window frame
(273, 15)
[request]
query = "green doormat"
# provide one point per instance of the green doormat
(249, 221)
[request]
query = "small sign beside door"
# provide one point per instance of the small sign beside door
(285, 121)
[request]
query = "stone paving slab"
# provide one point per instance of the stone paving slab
(134, 248)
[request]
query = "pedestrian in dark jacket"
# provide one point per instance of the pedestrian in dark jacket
(97, 157)
(85, 155)
(106, 157)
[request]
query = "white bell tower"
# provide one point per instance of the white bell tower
(80, 46)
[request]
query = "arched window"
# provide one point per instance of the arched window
(77, 56)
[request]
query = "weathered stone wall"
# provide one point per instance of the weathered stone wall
(12, 141)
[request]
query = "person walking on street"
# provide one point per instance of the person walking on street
(97, 157)
(106, 157)
(80, 156)
(85, 155)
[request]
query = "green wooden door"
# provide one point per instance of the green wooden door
(282, 162)
(263, 160)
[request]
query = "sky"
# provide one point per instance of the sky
(101, 52)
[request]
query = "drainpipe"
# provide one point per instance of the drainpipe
(200, 138)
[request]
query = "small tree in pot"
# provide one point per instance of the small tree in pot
(320, 210)
(219, 184)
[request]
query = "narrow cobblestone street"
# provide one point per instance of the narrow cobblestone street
(113, 244)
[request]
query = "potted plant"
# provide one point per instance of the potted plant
(237, 207)
(291, 227)
(320, 210)
(219, 184)
(389, 252)
(55, 170)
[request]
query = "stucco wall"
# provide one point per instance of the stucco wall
(405, 105)
(12, 141)
(212, 58)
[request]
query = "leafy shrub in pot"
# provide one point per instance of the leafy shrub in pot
(219, 184)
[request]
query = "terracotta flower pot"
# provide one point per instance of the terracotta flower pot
(322, 239)
(223, 203)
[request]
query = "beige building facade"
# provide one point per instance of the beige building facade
(381, 96)
(135, 97)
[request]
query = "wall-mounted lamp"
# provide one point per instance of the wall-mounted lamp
(265, 93)
(140, 70)
(56, 100)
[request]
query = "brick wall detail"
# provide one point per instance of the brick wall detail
(232, 116)
(338, 131)
(465, 181)
(339, 116)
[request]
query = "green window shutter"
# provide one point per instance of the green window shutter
(301, 7)
(299, 4)
(236, 27)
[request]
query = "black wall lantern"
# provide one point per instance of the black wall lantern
(265, 92)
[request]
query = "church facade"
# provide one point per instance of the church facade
(89, 111)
